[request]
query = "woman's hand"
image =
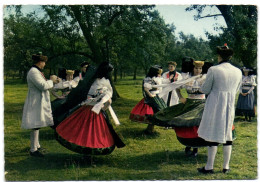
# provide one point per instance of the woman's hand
(151, 95)
(183, 100)
(61, 97)
(244, 94)
(108, 103)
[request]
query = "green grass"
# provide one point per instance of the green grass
(158, 157)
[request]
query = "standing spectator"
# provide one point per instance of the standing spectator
(37, 111)
(246, 99)
(222, 83)
(172, 75)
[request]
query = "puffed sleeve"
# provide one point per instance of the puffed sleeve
(179, 76)
(110, 89)
(253, 77)
(147, 83)
(207, 86)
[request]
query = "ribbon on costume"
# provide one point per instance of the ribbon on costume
(172, 86)
(113, 114)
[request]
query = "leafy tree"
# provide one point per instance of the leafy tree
(241, 31)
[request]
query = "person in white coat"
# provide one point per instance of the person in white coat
(172, 75)
(222, 84)
(37, 108)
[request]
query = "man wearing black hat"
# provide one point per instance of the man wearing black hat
(222, 84)
(37, 111)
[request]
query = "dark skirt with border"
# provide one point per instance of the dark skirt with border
(58, 117)
(88, 133)
(185, 120)
(245, 104)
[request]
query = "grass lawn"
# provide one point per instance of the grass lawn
(158, 157)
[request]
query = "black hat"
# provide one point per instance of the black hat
(225, 52)
(39, 57)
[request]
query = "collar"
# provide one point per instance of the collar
(224, 61)
(34, 66)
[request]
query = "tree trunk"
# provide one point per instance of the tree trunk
(115, 74)
(121, 73)
(115, 93)
(135, 70)
(24, 75)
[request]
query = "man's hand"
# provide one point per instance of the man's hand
(54, 78)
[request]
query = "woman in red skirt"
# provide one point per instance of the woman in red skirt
(88, 129)
(151, 103)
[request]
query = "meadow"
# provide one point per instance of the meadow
(154, 157)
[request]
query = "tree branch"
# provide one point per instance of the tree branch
(210, 16)
(71, 52)
(110, 21)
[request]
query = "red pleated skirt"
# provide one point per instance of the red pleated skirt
(139, 111)
(189, 132)
(86, 128)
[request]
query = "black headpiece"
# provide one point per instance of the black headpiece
(62, 73)
(84, 63)
(104, 69)
(188, 65)
(154, 71)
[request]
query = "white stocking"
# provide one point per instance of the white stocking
(34, 140)
(211, 157)
(227, 149)
(37, 137)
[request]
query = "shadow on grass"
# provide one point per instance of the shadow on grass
(66, 161)
(44, 135)
(138, 133)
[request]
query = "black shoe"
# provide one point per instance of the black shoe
(36, 154)
(41, 149)
(194, 153)
(225, 171)
(204, 171)
(188, 150)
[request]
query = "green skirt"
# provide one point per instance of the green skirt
(185, 119)
(180, 115)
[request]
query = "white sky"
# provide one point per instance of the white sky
(184, 20)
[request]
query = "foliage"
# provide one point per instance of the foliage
(158, 157)
(132, 38)
(240, 34)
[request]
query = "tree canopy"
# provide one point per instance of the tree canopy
(241, 31)
(131, 37)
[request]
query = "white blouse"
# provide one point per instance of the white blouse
(248, 83)
(194, 87)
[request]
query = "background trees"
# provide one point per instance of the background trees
(131, 37)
